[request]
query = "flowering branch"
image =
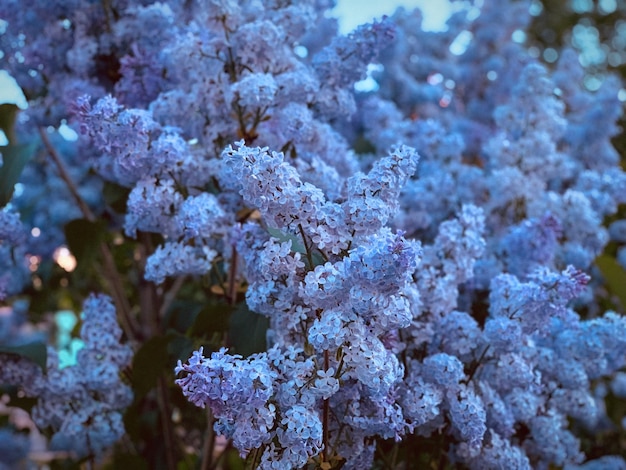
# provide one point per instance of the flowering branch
(111, 273)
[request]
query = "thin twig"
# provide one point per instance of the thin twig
(394, 455)
(309, 256)
(170, 295)
(148, 297)
(232, 277)
(84, 208)
(477, 365)
(166, 423)
(110, 271)
(117, 290)
(326, 413)
(209, 442)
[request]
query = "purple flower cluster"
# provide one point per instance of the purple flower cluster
(81, 404)
(404, 300)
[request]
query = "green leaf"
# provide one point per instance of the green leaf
(248, 331)
(296, 241)
(115, 196)
(84, 238)
(120, 460)
(182, 314)
(614, 275)
(148, 364)
(234, 460)
(156, 356)
(296, 245)
(17, 398)
(35, 351)
(211, 319)
(179, 347)
(8, 115)
(190, 463)
(14, 159)
(364, 146)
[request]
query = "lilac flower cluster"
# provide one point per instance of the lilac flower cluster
(252, 408)
(331, 281)
(82, 404)
(403, 300)
(13, 265)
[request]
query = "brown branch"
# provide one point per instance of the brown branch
(209, 442)
(166, 423)
(232, 277)
(476, 365)
(309, 256)
(325, 417)
(148, 296)
(110, 271)
(84, 208)
(170, 295)
(128, 322)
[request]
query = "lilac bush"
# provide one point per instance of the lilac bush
(339, 279)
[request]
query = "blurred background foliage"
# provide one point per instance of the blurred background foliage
(596, 29)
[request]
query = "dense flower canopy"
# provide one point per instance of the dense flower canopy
(418, 259)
